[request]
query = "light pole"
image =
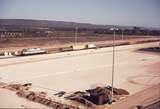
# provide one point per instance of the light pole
(113, 60)
(148, 34)
(122, 35)
(55, 38)
(75, 38)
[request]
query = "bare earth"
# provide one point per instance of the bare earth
(143, 98)
(80, 70)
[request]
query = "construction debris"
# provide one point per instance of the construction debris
(22, 90)
(80, 99)
(60, 94)
(89, 99)
(117, 91)
(98, 95)
(15, 87)
(43, 99)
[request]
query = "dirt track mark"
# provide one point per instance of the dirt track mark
(138, 80)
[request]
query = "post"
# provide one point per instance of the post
(148, 34)
(55, 38)
(122, 35)
(113, 60)
(75, 40)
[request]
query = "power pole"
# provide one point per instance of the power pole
(76, 33)
(148, 34)
(113, 61)
(122, 35)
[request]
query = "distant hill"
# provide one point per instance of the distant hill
(46, 23)
(33, 26)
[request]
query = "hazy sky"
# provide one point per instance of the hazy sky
(121, 12)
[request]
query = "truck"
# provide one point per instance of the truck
(63, 49)
(30, 51)
(90, 46)
(78, 47)
(33, 51)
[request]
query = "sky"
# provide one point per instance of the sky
(144, 13)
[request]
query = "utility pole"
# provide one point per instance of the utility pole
(55, 38)
(113, 61)
(122, 35)
(76, 33)
(148, 34)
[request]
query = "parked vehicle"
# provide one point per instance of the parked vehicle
(90, 46)
(62, 49)
(78, 47)
(33, 51)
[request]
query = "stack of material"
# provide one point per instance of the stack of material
(60, 94)
(22, 90)
(79, 97)
(16, 87)
(43, 99)
(117, 91)
(98, 95)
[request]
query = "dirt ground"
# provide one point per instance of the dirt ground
(144, 98)
(80, 70)
(12, 44)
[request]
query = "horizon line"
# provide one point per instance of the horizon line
(153, 27)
